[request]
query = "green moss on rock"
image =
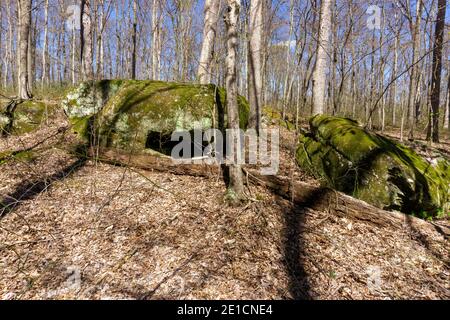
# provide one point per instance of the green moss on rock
(89, 97)
(25, 117)
(274, 116)
(122, 113)
(373, 168)
(28, 116)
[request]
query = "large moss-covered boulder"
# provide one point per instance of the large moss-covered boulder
(125, 114)
(373, 168)
(22, 116)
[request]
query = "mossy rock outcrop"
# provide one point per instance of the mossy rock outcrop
(125, 114)
(373, 168)
(272, 116)
(22, 117)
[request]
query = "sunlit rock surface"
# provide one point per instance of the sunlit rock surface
(373, 168)
(134, 114)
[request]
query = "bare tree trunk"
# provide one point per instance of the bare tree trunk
(236, 187)
(118, 50)
(8, 63)
(394, 74)
(156, 40)
(212, 8)
(402, 120)
(100, 54)
(372, 86)
(265, 53)
(381, 74)
(5, 59)
(437, 69)
(255, 79)
(353, 82)
(447, 104)
(24, 34)
(413, 83)
(45, 77)
(30, 58)
(18, 58)
(63, 52)
(331, 104)
(243, 57)
(60, 46)
(186, 38)
(182, 22)
(86, 40)
(288, 60)
(297, 104)
(73, 56)
(134, 37)
(426, 64)
(319, 75)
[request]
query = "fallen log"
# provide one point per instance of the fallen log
(326, 199)
(300, 193)
(152, 162)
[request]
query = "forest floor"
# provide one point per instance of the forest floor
(81, 229)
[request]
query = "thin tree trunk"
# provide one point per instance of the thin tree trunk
(58, 65)
(6, 59)
(288, 60)
(372, 82)
(45, 77)
(73, 56)
(297, 104)
(86, 40)
(437, 69)
(255, 79)
(319, 77)
(353, 81)
(402, 120)
(134, 37)
(236, 187)
(24, 34)
(186, 43)
(244, 59)
(265, 54)
(156, 40)
(413, 83)
(447, 104)
(447, 110)
(118, 49)
(30, 58)
(381, 75)
(100, 54)
(63, 52)
(10, 46)
(332, 104)
(18, 58)
(209, 36)
(394, 74)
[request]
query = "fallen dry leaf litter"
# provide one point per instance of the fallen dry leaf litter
(87, 230)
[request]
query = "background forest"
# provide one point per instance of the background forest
(379, 55)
